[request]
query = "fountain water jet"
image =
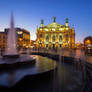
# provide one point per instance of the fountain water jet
(11, 50)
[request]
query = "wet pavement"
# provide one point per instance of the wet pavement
(70, 53)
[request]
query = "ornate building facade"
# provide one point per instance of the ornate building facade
(55, 35)
(23, 38)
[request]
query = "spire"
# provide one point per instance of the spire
(73, 27)
(54, 19)
(67, 22)
(42, 23)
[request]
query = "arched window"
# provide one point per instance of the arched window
(46, 45)
(53, 38)
(60, 38)
(47, 38)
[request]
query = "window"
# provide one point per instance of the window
(41, 35)
(53, 38)
(60, 38)
(46, 45)
(60, 45)
(47, 38)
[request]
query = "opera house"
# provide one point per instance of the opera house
(55, 35)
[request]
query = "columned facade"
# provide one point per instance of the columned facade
(55, 35)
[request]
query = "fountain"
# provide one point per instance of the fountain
(11, 50)
(11, 55)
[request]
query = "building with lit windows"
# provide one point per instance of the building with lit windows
(55, 35)
(88, 45)
(23, 38)
(79, 46)
(3, 38)
(88, 41)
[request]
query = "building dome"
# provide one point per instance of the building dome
(54, 25)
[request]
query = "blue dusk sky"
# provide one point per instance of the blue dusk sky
(28, 13)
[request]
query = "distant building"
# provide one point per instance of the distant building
(88, 45)
(79, 46)
(88, 41)
(3, 37)
(23, 38)
(55, 35)
(32, 44)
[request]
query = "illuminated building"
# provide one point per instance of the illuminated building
(3, 38)
(23, 38)
(88, 45)
(55, 35)
(88, 41)
(79, 46)
(33, 44)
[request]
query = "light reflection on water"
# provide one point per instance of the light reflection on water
(10, 77)
(68, 79)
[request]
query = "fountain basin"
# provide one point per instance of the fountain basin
(12, 73)
(9, 62)
(11, 56)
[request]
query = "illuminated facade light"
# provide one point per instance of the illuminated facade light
(53, 29)
(67, 28)
(40, 29)
(60, 29)
(46, 29)
(88, 41)
(19, 32)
